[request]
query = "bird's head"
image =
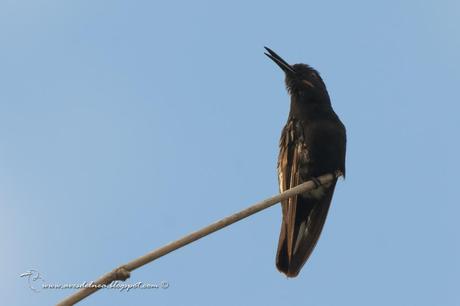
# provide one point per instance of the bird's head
(301, 79)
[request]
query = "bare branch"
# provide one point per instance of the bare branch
(123, 272)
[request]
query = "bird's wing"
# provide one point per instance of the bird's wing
(289, 176)
(303, 215)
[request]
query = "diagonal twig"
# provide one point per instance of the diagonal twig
(123, 272)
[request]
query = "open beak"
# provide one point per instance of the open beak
(279, 61)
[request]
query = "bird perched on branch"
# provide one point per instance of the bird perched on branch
(312, 143)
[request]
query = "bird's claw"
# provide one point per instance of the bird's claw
(316, 181)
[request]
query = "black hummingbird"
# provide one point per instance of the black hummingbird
(312, 143)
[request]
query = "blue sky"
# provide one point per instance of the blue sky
(125, 125)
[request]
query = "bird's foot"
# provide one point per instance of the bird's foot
(316, 181)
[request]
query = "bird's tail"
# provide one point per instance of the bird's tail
(300, 230)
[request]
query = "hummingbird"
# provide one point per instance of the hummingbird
(313, 143)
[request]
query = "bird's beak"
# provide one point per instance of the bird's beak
(288, 69)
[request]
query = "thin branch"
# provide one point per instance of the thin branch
(123, 272)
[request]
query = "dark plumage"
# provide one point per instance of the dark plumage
(312, 143)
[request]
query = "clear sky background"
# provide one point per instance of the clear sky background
(127, 124)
